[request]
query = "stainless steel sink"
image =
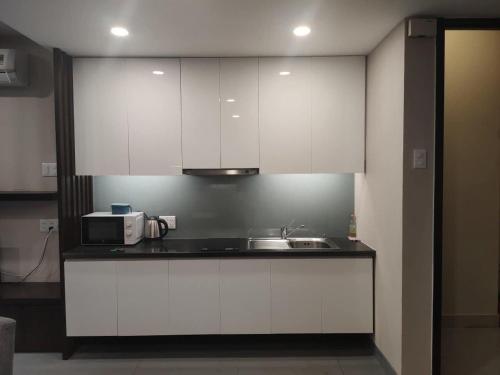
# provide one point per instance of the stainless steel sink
(272, 244)
(312, 243)
(291, 244)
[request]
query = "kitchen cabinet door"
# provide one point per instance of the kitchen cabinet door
(100, 116)
(91, 303)
(296, 299)
(338, 114)
(239, 85)
(194, 303)
(200, 113)
(142, 288)
(154, 116)
(348, 295)
(285, 115)
(245, 292)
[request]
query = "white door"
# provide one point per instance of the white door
(194, 304)
(239, 86)
(348, 295)
(154, 116)
(142, 287)
(245, 293)
(285, 115)
(296, 297)
(338, 114)
(100, 116)
(90, 292)
(200, 113)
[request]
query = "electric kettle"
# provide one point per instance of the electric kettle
(155, 228)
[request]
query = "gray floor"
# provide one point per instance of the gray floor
(51, 363)
(470, 351)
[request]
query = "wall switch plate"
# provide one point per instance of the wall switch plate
(172, 223)
(49, 169)
(45, 224)
(419, 159)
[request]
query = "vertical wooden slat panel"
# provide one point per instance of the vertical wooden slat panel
(75, 192)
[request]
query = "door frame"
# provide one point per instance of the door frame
(444, 24)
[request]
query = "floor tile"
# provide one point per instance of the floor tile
(361, 366)
(468, 351)
(50, 363)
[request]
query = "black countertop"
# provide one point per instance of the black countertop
(212, 248)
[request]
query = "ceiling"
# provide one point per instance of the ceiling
(222, 27)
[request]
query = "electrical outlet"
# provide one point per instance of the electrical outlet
(49, 169)
(45, 224)
(172, 224)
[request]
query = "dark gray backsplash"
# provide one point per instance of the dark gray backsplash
(235, 206)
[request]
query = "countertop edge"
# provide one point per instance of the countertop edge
(348, 249)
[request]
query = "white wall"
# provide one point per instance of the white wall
(27, 131)
(21, 242)
(394, 202)
(27, 138)
(418, 206)
(379, 192)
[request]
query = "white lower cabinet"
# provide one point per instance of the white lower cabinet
(90, 291)
(245, 292)
(218, 296)
(194, 304)
(296, 295)
(142, 289)
(347, 295)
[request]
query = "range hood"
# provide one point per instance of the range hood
(222, 172)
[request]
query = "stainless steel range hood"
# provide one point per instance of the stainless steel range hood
(222, 172)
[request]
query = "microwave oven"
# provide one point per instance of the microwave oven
(104, 228)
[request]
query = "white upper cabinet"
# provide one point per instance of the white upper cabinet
(239, 86)
(285, 115)
(100, 116)
(200, 113)
(282, 115)
(127, 119)
(154, 116)
(338, 114)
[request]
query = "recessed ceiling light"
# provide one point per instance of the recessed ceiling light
(119, 31)
(230, 100)
(236, 116)
(302, 30)
(284, 73)
(158, 72)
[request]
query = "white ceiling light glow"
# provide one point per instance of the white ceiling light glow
(119, 31)
(302, 30)
(236, 116)
(158, 72)
(230, 100)
(285, 73)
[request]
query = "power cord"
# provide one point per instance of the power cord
(40, 261)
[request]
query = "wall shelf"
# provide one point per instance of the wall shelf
(31, 292)
(28, 195)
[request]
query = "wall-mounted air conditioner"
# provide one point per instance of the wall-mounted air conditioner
(13, 68)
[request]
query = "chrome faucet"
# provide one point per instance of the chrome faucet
(286, 232)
